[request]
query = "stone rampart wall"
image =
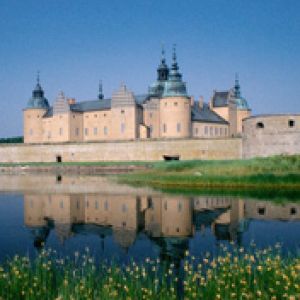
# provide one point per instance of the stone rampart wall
(268, 135)
(140, 150)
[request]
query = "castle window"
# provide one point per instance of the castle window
(87, 204)
(76, 131)
(122, 127)
(38, 116)
(73, 116)
(78, 205)
(86, 131)
(95, 116)
(124, 208)
(30, 132)
(105, 130)
(122, 111)
(151, 129)
(58, 178)
(225, 131)
(178, 127)
(175, 103)
(96, 204)
(165, 103)
(61, 204)
(164, 128)
(291, 123)
(104, 115)
(49, 134)
(211, 131)
(196, 131)
(260, 125)
(293, 211)
(216, 131)
(95, 131)
(221, 131)
(179, 207)
(150, 115)
(60, 131)
(261, 211)
(166, 205)
(206, 130)
(106, 205)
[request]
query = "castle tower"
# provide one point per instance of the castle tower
(37, 106)
(157, 88)
(175, 105)
(242, 108)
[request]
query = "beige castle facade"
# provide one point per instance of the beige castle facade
(165, 112)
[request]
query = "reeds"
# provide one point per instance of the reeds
(232, 274)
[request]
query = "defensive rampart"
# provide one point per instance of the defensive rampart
(139, 150)
(268, 135)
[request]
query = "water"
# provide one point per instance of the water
(71, 213)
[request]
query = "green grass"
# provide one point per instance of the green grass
(260, 274)
(275, 175)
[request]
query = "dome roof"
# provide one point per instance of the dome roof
(240, 102)
(38, 99)
(156, 89)
(174, 86)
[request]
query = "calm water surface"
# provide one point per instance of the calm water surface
(119, 222)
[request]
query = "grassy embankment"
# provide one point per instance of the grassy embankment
(263, 274)
(267, 176)
(277, 176)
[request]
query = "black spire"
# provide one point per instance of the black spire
(38, 91)
(162, 70)
(174, 58)
(174, 74)
(100, 95)
(237, 87)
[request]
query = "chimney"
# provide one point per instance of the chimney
(201, 102)
(192, 101)
(71, 101)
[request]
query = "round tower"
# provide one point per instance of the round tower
(175, 106)
(36, 108)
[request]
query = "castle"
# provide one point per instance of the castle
(165, 112)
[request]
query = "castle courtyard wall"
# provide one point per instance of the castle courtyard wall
(139, 150)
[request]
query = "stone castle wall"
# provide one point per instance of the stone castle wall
(139, 150)
(268, 135)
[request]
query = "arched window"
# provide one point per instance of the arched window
(291, 123)
(260, 125)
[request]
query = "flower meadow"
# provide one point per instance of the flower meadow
(232, 274)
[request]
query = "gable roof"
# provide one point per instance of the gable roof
(220, 99)
(94, 105)
(205, 115)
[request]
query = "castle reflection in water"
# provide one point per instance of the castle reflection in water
(166, 219)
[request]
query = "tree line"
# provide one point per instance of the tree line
(12, 140)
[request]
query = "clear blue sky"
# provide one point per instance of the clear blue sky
(75, 43)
